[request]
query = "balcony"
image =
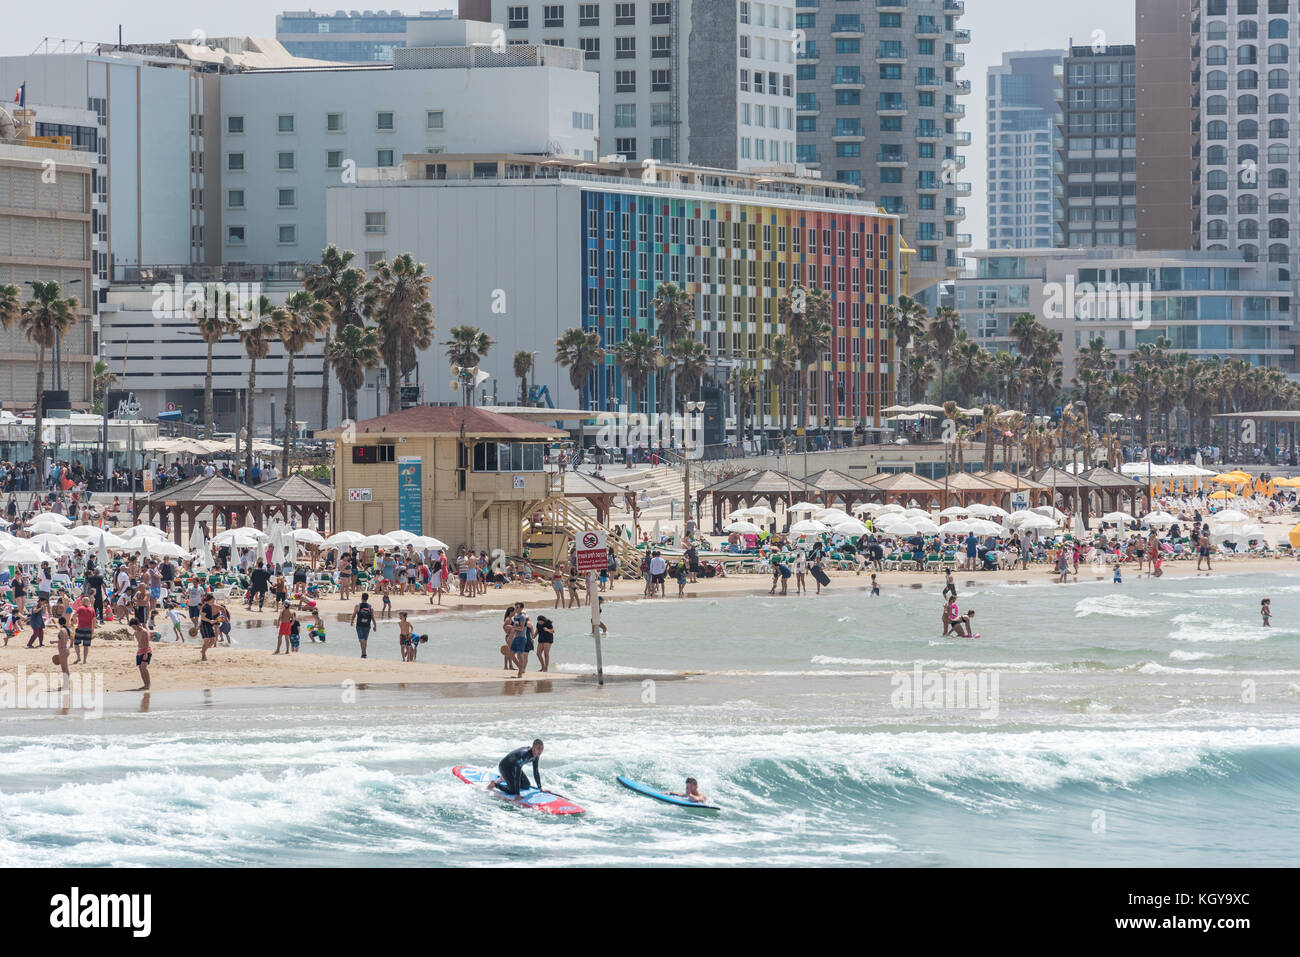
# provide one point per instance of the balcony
(847, 81)
(847, 31)
(848, 134)
(891, 53)
(929, 134)
(961, 87)
(954, 7)
(963, 240)
(891, 157)
(891, 6)
(891, 108)
(961, 138)
(928, 81)
(961, 36)
(954, 111)
(807, 103)
(929, 28)
(955, 214)
(954, 60)
(895, 209)
(962, 189)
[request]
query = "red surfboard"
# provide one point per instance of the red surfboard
(544, 801)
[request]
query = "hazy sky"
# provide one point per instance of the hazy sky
(996, 26)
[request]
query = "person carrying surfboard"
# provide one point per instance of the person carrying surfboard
(692, 792)
(513, 777)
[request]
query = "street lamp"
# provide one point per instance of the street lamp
(692, 408)
(463, 378)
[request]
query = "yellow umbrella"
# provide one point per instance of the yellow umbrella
(1287, 482)
(1228, 478)
(1294, 536)
(1221, 494)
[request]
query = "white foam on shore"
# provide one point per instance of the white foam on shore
(1118, 606)
(1198, 627)
(1180, 655)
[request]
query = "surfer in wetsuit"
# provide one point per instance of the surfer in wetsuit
(692, 792)
(513, 778)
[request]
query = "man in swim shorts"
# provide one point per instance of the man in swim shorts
(363, 617)
(85, 629)
(143, 653)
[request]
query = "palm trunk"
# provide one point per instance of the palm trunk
(325, 383)
(290, 410)
(248, 419)
(38, 443)
(351, 397)
(207, 396)
(395, 390)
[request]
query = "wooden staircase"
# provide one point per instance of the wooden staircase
(560, 512)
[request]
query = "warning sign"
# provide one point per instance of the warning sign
(592, 551)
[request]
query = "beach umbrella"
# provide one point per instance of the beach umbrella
(1294, 536)
(830, 515)
(850, 526)
(101, 555)
(1159, 518)
(1221, 495)
(761, 512)
(1118, 518)
(916, 513)
(1050, 511)
(809, 527)
(402, 536)
(805, 507)
(960, 526)
(954, 511)
(892, 508)
(868, 508)
(742, 528)
(981, 526)
(165, 549)
(428, 541)
(902, 529)
(144, 547)
(1037, 523)
(52, 518)
(345, 539)
(23, 555)
(56, 545)
(382, 541)
(1229, 516)
(94, 535)
(46, 523)
(144, 531)
(925, 526)
(308, 536)
(987, 511)
(239, 538)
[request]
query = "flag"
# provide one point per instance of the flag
(20, 95)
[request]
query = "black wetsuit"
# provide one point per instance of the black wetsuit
(513, 778)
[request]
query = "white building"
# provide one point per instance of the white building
(709, 82)
(1021, 106)
(287, 135)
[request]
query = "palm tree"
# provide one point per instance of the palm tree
(211, 329)
(674, 310)
(942, 335)
(304, 319)
(45, 319)
(466, 348)
(351, 352)
(921, 371)
(101, 377)
(971, 362)
(1006, 371)
(638, 356)
(339, 285)
(581, 352)
(744, 383)
(523, 364)
(257, 329)
(397, 299)
(11, 305)
(906, 323)
(689, 361)
(783, 362)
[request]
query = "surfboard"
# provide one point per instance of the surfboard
(820, 575)
(648, 791)
(544, 801)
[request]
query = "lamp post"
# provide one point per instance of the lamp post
(692, 408)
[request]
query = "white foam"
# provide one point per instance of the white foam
(1118, 606)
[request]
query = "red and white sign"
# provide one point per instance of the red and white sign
(593, 554)
(359, 495)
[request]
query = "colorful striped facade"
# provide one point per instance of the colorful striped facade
(737, 259)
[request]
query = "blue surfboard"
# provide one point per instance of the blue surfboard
(658, 795)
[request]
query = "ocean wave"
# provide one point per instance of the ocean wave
(1118, 606)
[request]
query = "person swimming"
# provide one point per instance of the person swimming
(692, 792)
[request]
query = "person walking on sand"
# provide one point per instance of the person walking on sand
(363, 617)
(143, 653)
(545, 631)
(800, 572)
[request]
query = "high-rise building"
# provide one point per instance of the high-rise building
(878, 108)
(356, 36)
(736, 242)
(1021, 104)
(1097, 148)
(709, 82)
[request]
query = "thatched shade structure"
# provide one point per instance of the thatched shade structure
(963, 488)
(1113, 488)
(751, 488)
(601, 494)
(836, 485)
(235, 500)
(904, 487)
(1073, 489)
(1038, 493)
(300, 497)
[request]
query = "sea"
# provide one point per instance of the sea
(1152, 723)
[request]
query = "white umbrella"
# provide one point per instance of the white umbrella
(851, 526)
(428, 541)
(1229, 516)
(1118, 518)
(830, 515)
(755, 511)
(402, 536)
(23, 555)
(892, 508)
(742, 528)
(902, 529)
(61, 520)
(290, 544)
(56, 544)
(982, 526)
(94, 534)
(1036, 523)
(1049, 511)
(308, 536)
(101, 556)
(925, 526)
(958, 527)
(382, 541)
(239, 538)
(808, 527)
(917, 513)
(1159, 518)
(144, 531)
(46, 524)
(987, 511)
(805, 507)
(345, 539)
(165, 549)
(143, 543)
(954, 511)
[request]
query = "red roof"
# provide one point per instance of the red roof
(447, 420)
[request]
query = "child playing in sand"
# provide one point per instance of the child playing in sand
(317, 629)
(1265, 612)
(295, 635)
(175, 617)
(387, 607)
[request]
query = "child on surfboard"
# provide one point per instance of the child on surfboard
(692, 792)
